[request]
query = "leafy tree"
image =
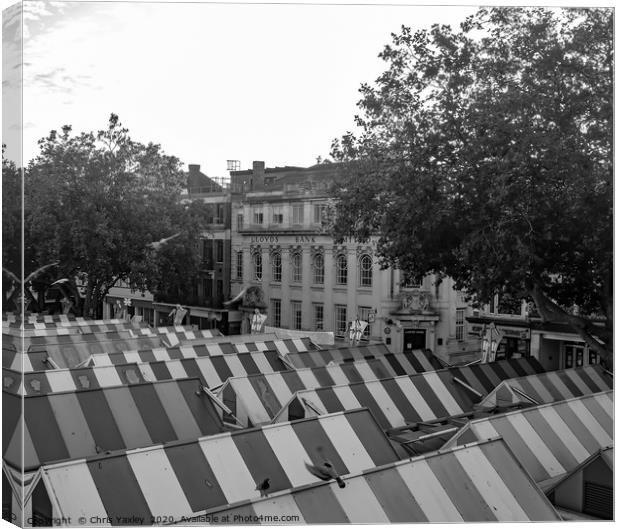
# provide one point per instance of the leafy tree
(96, 202)
(485, 154)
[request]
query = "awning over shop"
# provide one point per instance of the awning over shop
(182, 479)
(549, 387)
(84, 423)
(257, 399)
(403, 400)
(552, 439)
(480, 482)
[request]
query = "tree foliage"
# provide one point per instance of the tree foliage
(95, 201)
(485, 154)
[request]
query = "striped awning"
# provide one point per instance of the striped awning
(73, 354)
(59, 380)
(205, 333)
(406, 363)
(549, 387)
(282, 347)
(83, 423)
(213, 371)
(480, 482)
(38, 342)
(552, 439)
(404, 400)
(181, 479)
(174, 338)
(258, 398)
(44, 322)
(25, 362)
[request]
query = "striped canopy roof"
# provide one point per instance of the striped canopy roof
(82, 423)
(173, 338)
(232, 338)
(39, 342)
(283, 347)
(44, 322)
(59, 380)
(180, 479)
(257, 399)
(187, 329)
(550, 387)
(399, 401)
(213, 371)
(549, 440)
(73, 354)
(23, 363)
(480, 482)
(406, 363)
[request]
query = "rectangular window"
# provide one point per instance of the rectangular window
(277, 215)
(340, 319)
(239, 265)
(276, 312)
(318, 316)
(298, 213)
(276, 267)
(460, 324)
(364, 315)
(296, 314)
(219, 250)
(573, 354)
(593, 358)
(258, 214)
(219, 292)
(219, 218)
(319, 213)
(239, 221)
(207, 254)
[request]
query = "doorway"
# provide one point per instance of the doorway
(414, 339)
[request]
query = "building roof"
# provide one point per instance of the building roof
(60, 380)
(552, 386)
(74, 354)
(213, 371)
(552, 439)
(406, 363)
(257, 399)
(474, 483)
(408, 399)
(82, 423)
(180, 479)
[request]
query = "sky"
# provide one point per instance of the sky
(209, 82)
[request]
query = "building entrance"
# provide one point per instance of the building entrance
(414, 339)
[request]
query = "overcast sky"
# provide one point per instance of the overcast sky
(209, 82)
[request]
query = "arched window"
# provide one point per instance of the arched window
(341, 269)
(296, 267)
(276, 267)
(318, 267)
(258, 266)
(365, 270)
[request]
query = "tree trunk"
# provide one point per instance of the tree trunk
(596, 337)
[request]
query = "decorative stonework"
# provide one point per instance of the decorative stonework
(361, 250)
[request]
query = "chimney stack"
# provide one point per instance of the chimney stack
(193, 168)
(258, 175)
